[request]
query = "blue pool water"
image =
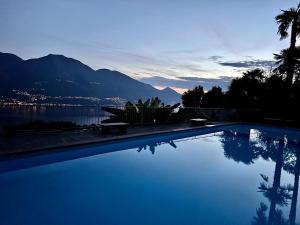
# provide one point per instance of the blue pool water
(230, 175)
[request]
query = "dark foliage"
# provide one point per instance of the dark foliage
(214, 98)
(193, 98)
(247, 91)
(268, 95)
(150, 111)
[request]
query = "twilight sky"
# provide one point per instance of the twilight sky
(177, 43)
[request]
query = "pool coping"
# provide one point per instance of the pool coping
(109, 140)
(123, 137)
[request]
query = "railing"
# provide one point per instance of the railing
(228, 114)
(20, 114)
(12, 115)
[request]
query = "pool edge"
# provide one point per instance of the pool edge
(108, 140)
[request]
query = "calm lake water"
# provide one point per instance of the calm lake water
(83, 115)
(232, 175)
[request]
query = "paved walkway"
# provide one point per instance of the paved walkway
(30, 142)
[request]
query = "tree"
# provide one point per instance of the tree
(289, 19)
(247, 91)
(285, 58)
(275, 96)
(193, 98)
(295, 99)
(213, 98)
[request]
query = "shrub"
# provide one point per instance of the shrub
(150, 111)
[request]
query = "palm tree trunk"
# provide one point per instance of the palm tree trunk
(291, 67)
(276, 182)
(292, 215)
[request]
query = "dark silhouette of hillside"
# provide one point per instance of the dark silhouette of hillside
(8, 60)
(57, 75)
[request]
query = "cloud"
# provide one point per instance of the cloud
(188, 82)
(215, 57)
(207, 80)
(249, 63)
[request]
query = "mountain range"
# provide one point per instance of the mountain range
(60, 77)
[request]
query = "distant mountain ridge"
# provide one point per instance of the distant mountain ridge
(57, 75)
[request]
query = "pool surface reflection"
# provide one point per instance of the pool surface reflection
(230, 175)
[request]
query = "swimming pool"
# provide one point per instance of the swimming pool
(233, 175)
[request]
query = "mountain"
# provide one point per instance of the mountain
(57, 75)
(8, 60)
(131, 88)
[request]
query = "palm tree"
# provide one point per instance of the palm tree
(285, 57)
(289, 18)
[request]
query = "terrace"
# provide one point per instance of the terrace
(81, 127)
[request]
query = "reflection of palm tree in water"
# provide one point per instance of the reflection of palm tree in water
(152, 146)
(286, 155)
(237, 146)
(276, 194)
(292, 216)
(293, 167)
(262, 219)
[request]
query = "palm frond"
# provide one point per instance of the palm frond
(285, 20)
(264, 177)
